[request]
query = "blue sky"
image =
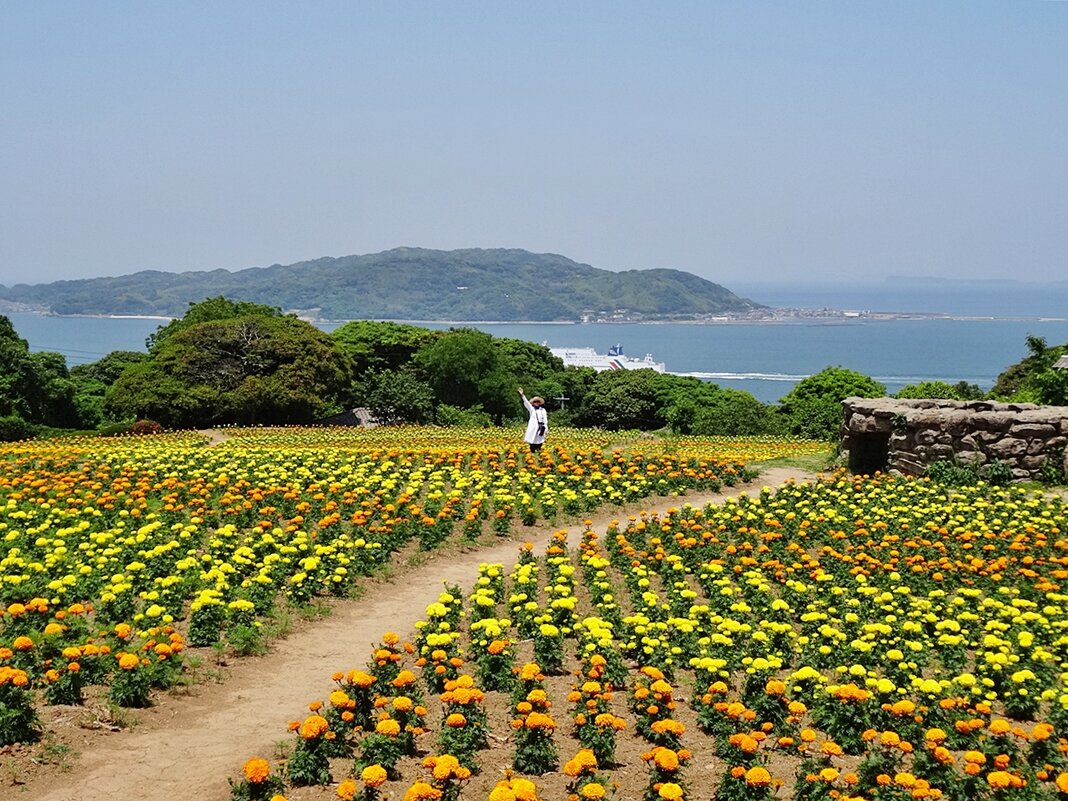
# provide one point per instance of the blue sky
(742, 141)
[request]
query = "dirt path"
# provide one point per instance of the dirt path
(186, 747)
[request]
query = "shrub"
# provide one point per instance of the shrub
(142, 427)
(14, 428)
(958, 474)
(813, 408)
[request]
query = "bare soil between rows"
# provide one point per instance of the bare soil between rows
(189, 743)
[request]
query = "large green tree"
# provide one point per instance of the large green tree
(207, 311)
(373, 345)
(260, 369)
(91, 382)
(466, 370)
(813, 408)
(34, 387)
(624, 399)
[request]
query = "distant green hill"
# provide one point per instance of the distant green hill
(405, 284)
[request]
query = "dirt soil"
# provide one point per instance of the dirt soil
(188, 744)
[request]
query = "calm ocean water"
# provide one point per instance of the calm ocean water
(766, 359)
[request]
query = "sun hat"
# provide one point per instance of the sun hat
(538, 399)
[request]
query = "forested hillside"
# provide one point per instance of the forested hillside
(405, 284)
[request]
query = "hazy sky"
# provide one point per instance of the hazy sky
(742, 141)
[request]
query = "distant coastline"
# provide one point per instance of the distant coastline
(785, 316)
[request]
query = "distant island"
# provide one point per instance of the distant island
(472, 285)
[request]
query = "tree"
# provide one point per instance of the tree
(465, 370)
(1018, 381)
(91, 382)
(34, 387)
(623, 399)
(373, 345)
(243, 370)
(206, 311)
(398, 396)
(734, 413)
(18, 379)
(813, 408)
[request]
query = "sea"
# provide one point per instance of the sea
(937, 331)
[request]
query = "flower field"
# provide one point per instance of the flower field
(852, 638)
(117, 555)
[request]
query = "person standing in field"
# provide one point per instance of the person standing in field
(537, 424)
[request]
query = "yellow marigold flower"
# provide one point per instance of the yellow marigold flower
(456, 721)
(403, 703)
(669, 791)
(257, 770)
(1000, 726)
(524, 789)
(828, 775)
(668, 726)
(539, 720)
(906, 780)
(421, 791)
(666, 759)
(374, 775)
(999, 779)
(757, 776)
(22, 643)
(388, 727)
(389, 638)
(593, 791)
(360, 679)
(128, 661)
(1062, 782)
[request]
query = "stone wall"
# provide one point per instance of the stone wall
(915, 433)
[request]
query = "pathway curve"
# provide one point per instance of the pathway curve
(186, 747)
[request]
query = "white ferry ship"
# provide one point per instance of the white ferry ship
(613, 360)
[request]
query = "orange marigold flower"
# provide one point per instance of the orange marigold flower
(404, 679)
(257, 770)
(314, 726)
(346, 791)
